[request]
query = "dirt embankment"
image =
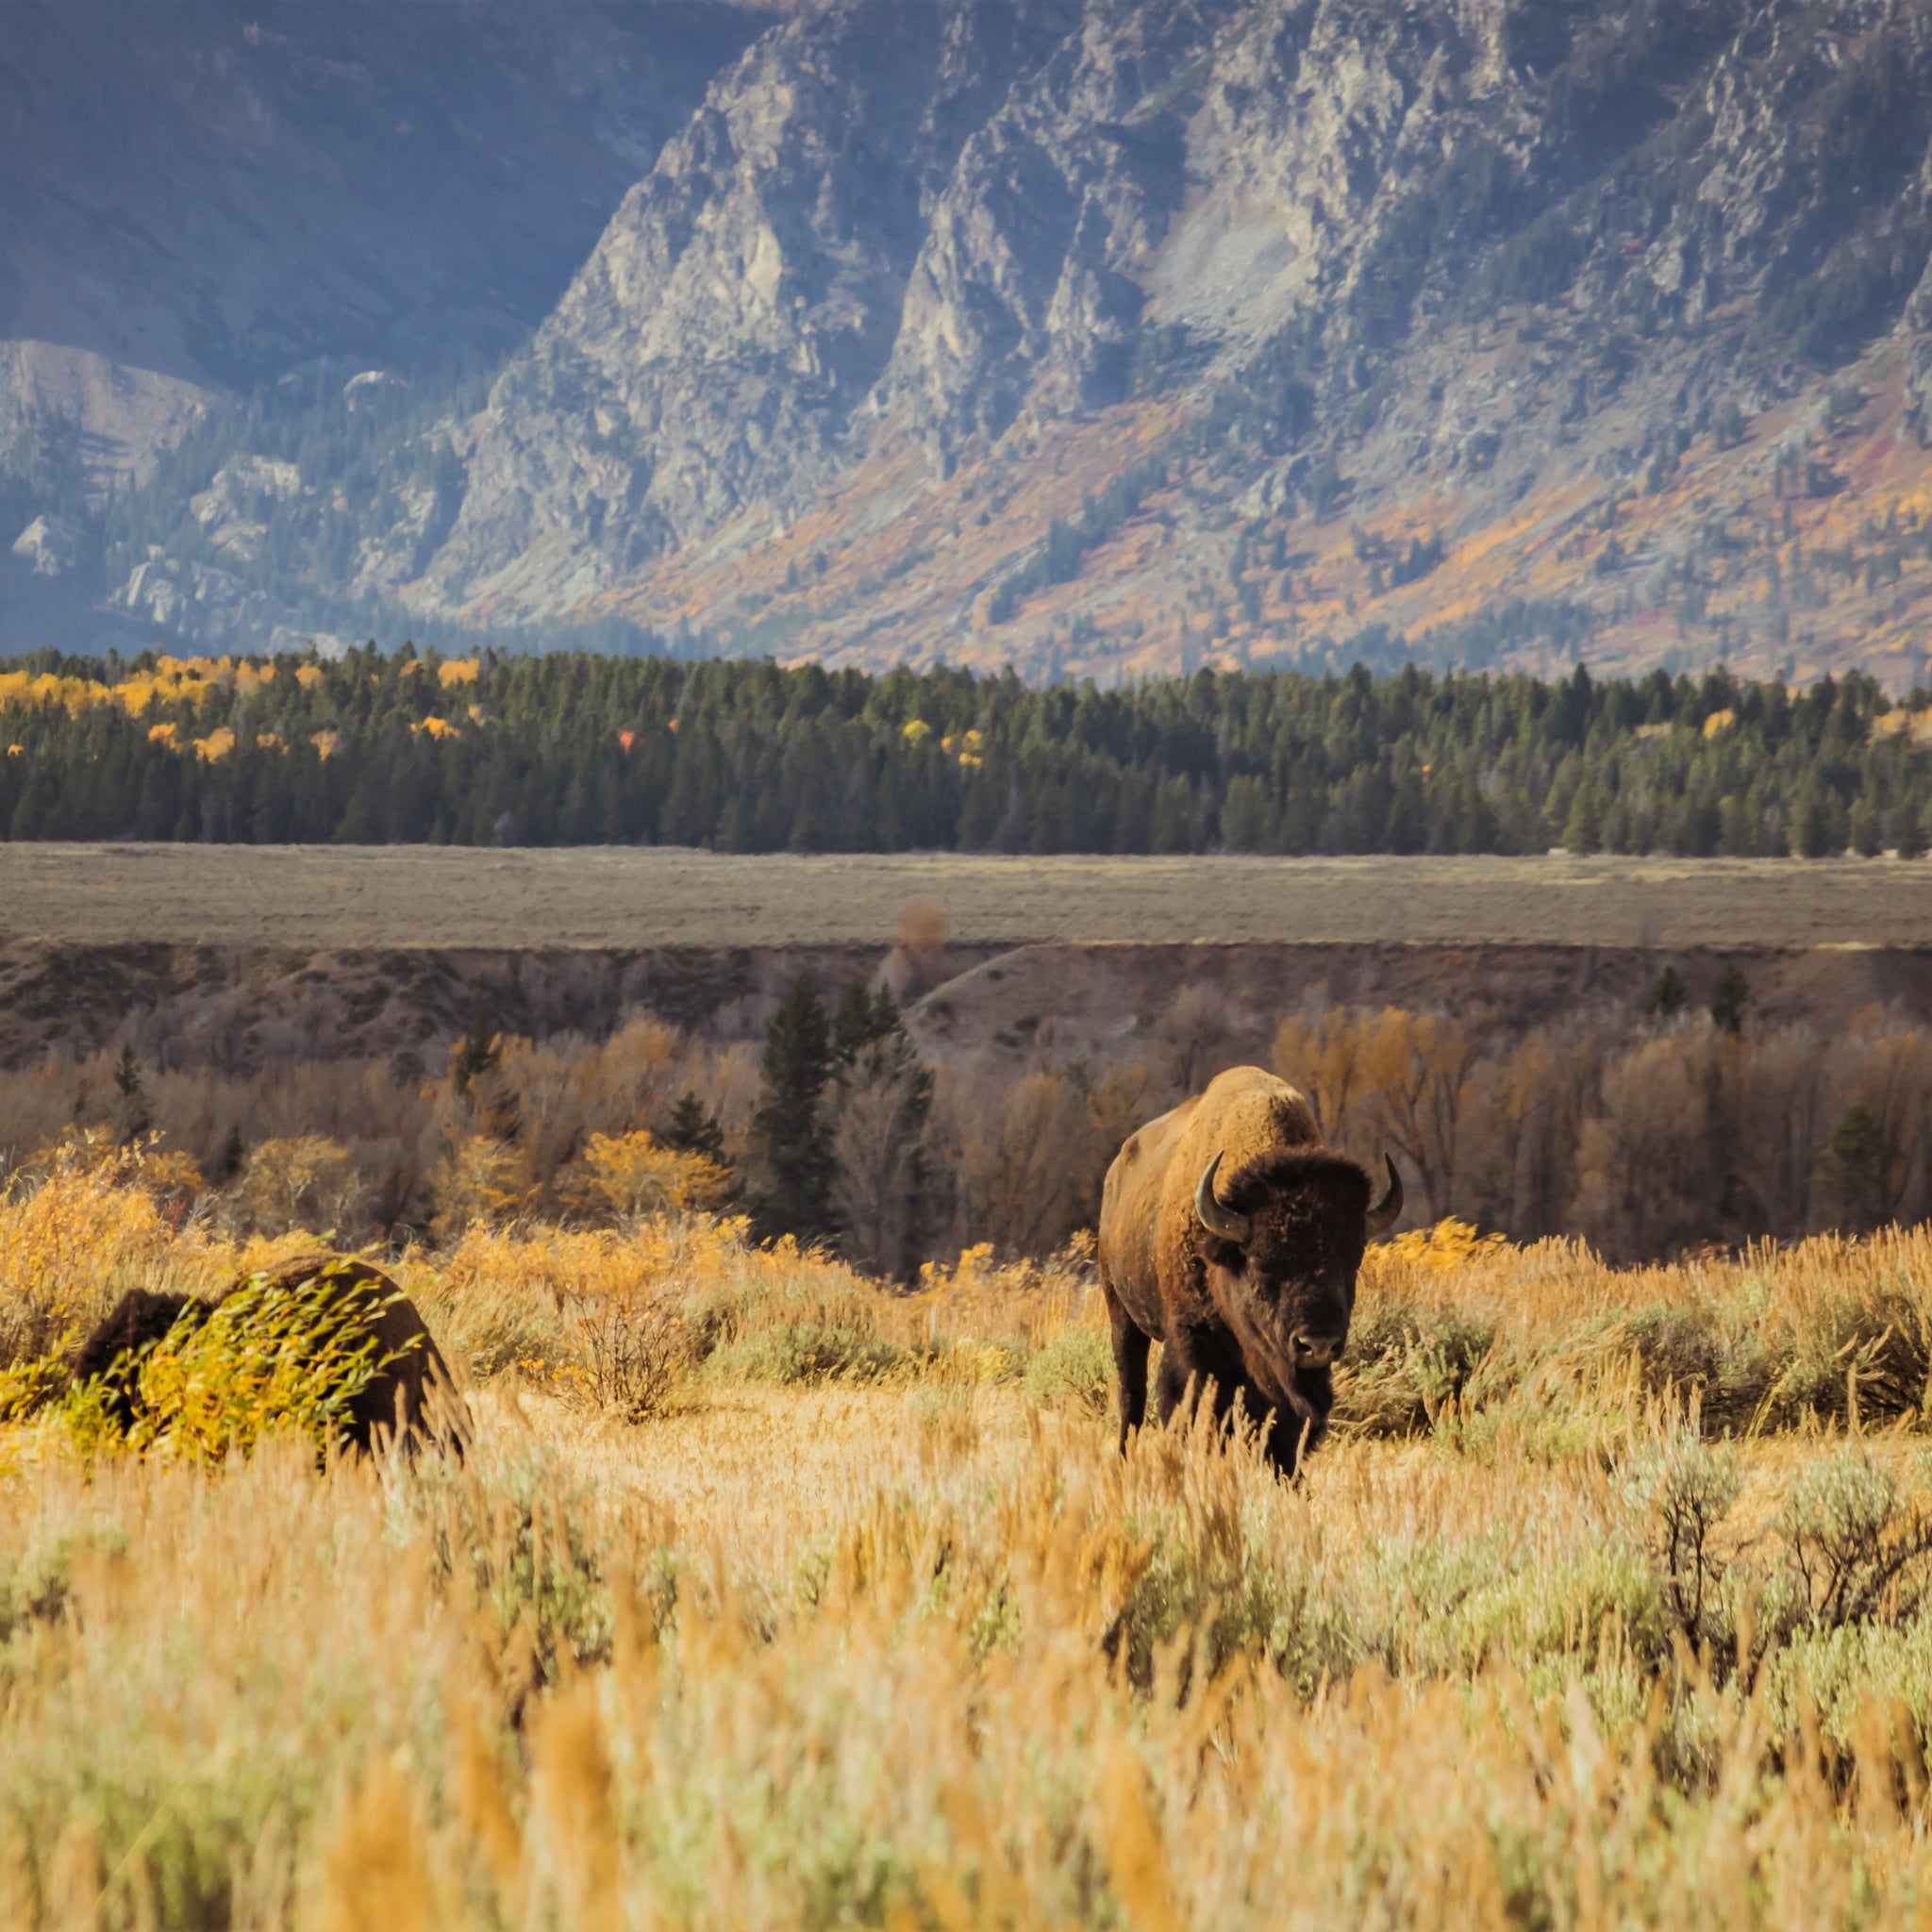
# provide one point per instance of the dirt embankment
(244, 956)
(239, 1007)
(236, 1007)
(1115, 1003)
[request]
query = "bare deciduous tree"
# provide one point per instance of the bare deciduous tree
(1416, 1077)
(1321, 1054)
(877, 1108)
(1775, 1120)
(1891, 1076)
(1196, 1037)
(1030, 1162)
(1646, 1184)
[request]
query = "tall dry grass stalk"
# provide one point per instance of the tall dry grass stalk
(1025, 1683)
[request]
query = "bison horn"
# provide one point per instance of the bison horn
(1386, 1211)
(1219, 1220)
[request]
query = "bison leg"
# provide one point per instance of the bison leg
(1286, 1437)
(1131, 1346)
(1200, 1359)
(1292, 1432)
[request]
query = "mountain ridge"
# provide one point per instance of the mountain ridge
(1110, 339)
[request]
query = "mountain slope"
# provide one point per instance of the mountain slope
(1110, 337)
(215, 192)
(203, 196)
(741, 303)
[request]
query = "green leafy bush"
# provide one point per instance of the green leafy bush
(1075, 1367)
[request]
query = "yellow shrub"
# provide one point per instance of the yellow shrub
(479, 1179)
(67, 1234)
(303, 1181)
(635, 1174)
(27, 1386)
(1450, 1244)
(1022, 1300)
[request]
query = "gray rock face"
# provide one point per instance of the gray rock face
(1040, 248)
(125, 416)
(203, 195)
(894, 220)
(744, 300)
(888, 212)
(46, 546)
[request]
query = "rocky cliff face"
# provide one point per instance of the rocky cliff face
(1426, 272)
(743, 301)
(1109, 336)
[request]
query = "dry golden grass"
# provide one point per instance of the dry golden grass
(872, 1625)
(325, 897)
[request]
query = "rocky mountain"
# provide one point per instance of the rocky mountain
(203, 195)
(1111, 337)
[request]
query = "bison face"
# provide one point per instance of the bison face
(1281, 1256)
(1289, 1306)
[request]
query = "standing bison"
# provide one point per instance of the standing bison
(1248, 1282)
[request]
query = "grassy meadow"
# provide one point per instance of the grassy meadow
(770, 1597)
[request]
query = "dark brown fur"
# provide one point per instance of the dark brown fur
(112, 1354)
(1225, 1315)
(412, 1397)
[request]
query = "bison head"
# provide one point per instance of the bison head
(1281, 1251)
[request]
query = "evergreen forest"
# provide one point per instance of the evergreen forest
(572, 749)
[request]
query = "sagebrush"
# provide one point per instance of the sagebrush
(1608, 1604)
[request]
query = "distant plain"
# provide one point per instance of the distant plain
(603, 897)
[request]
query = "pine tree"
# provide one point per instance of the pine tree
(1728, 1000)
(852, 1025)
(478, 1053)
(1583, 829)
(1813, 833)
(589, 748)
(131, 1118)
(693, 1130)
(885, 1028)
(1668, 997)
(1864, 828)
(1174, 817)
(1860, 1160)
(793, 1145)
(1908, 831)
(475, 1070)
(862, 1019)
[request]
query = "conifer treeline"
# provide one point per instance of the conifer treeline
(573, 748)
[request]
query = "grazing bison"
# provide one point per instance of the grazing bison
(1248, 1282)
(410, 1394)
(112, 1354)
